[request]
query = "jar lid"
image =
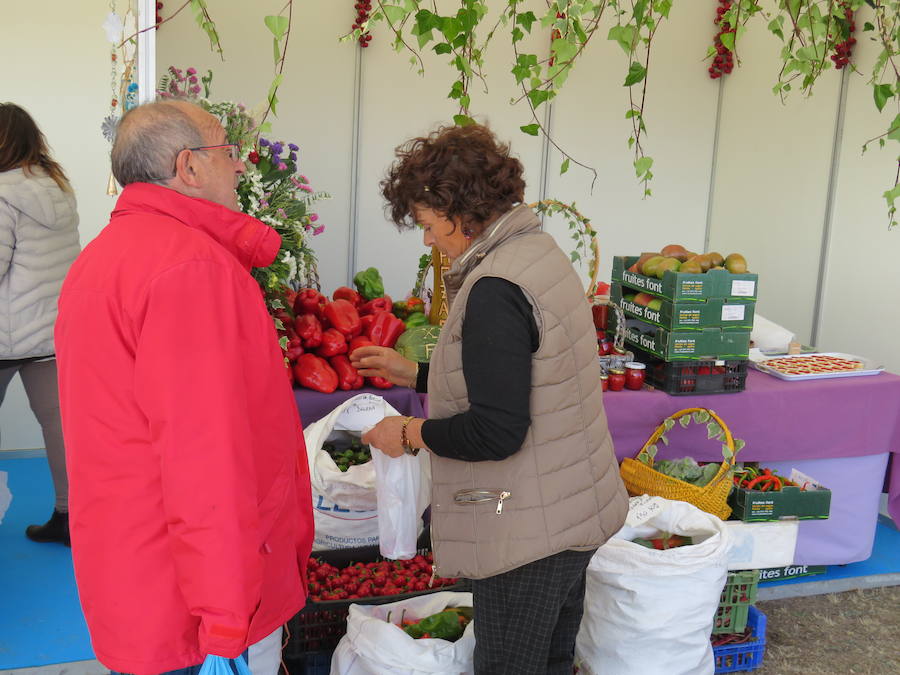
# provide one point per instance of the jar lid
(604, 376)
(634, 365)
(616, 371)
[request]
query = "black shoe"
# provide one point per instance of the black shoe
(54, 530)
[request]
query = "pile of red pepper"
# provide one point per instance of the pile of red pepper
(751, 477)
(321, 333)
(365, 580)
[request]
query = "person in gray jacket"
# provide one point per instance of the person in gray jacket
(38, 242)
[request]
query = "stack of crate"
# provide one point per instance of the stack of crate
(739, 629)
(691, 330)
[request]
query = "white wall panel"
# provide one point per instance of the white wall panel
(771, 179)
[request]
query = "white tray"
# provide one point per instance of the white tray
(869, 366)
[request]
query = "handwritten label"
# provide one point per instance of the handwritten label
(733, 312)
(743, 288)
(642, 508)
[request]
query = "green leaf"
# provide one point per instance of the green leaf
(564, 167)
(563, 49)
(531, 129)
(685, 421)
(394, 14)
(462, 120)
(701, 417)
(442, 48)
(726, 452)
(868, 26)
(283, 340)
(277, 25)
(636, 73)
(451, 27)
(276, 51)
(727, 41)
(624, 35)
(517, 35)
(651, 450)
(642, 165)
(713, 429)
(538, 96)
(738, 444)
(891, 195)
(526, 20)
(668, 424)
(882, 93)
(664, 439)
(894, 129)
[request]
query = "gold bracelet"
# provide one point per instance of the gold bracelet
(404, 441)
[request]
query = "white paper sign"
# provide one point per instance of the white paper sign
(804, 481)
(733, 312)
(743, 288)
(642, 508)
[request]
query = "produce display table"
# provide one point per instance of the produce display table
(840, 431)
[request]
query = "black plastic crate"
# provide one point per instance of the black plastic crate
(704, 376)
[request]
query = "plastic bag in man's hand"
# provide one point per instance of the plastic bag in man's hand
(397, 484)
(219, 665)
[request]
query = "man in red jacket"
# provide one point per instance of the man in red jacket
(190, 507)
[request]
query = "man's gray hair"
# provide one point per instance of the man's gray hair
(148, 139)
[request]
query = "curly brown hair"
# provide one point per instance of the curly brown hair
(461, 173)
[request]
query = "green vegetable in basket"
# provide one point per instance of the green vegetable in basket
(446, 625)
(688, 470)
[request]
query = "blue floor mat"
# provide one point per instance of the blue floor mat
(40, 619)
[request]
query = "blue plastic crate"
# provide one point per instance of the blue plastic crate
(746, 655)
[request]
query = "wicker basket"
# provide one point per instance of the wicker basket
(642, 479)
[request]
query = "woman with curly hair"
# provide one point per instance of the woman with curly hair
(525, 482)
(38, 242)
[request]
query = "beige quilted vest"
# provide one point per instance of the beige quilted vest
(562, 490)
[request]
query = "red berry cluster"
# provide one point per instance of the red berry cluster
(159, 7)
(362, 15)
(723, 62)
(841, 56)
(366, 580)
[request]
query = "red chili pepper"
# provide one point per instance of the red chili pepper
(313, 372)
(333, 343)
(382, 304)
(343, 316)
(348, 376)
(309, 301)
(359, 341)
(385, 329)
(309, 329)
(349, 294)
(380, 382)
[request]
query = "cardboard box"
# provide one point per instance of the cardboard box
(706, 343)
(789, 502)
(757, 545)
(681, 286)
(727, 313)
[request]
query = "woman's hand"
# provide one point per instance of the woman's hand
(387, 434)
(384, 362)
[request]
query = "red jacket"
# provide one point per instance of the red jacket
(190, 507)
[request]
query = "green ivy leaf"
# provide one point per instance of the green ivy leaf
(642, 165)
(538, 96)
(283, 340)
(442, 48)
(394, 14)
(526, 20)
(738, 444)
(701, 417)
(462, 120)
(727, 453)
(668, 424)
(651, 451)
(868, 26)
(624, 35)
(277, 25)
(727, 41)
(892, 195)
(517, 35)
(636, 73)
(713, 429)
(894, 129)
(531, 129)
(564, 167)
(685, 421)
(563, 49)
(882, 93)
(664, 439)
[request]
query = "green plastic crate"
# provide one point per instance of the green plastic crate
(708, 343)
(737, 596)
(681, 286)
(789, 502)
(724, 313)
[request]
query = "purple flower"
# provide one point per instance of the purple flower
(191, 71)
(319, 230)
(293, 156)
(263, 204)
(293, 147)
(263, 143)
(282, 214)
(313, 217)
(277, 148)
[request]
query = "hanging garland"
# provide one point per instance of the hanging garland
(362, 16)
(846, 28)
(723, 62)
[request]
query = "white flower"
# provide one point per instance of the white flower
(291, 263)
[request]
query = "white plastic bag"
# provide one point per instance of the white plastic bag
(345, 503)
(649, 611)
(398, 483)
(372, 646)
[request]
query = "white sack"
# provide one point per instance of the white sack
(648, 611)
(374, 647)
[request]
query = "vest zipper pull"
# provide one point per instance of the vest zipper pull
(503, 495)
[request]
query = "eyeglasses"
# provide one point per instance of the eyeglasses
(234, 149)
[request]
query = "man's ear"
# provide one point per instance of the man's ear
(188, 169)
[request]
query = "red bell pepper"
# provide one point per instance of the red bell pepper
(309, 329)
(359, 341)
(294, 348)
(385, 329)
(313, 372)
(309, 301)
(380, 382)
(382, 304)
(333, 343)
(365, 322)
(343, 316)
(349, 294)
(348, 376)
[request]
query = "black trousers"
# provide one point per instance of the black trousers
(526, 619)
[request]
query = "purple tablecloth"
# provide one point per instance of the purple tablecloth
(314, 405)
(779, 420)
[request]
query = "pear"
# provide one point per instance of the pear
(636, 267)
(649, 266)
(736, 263)
(715, 258)
(691, 267)
(667, 264)
(675, 251)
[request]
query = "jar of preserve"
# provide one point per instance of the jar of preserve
(604, 382)
(616, 379)
(634, 375)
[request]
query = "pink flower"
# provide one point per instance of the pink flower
(282, 166)
(195, 89)
(191, 71)
(263, 204)
(319, 230)
(282, 214)
(304, 178)
(313, 217)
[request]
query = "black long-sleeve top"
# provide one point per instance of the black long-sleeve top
(499, 336)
